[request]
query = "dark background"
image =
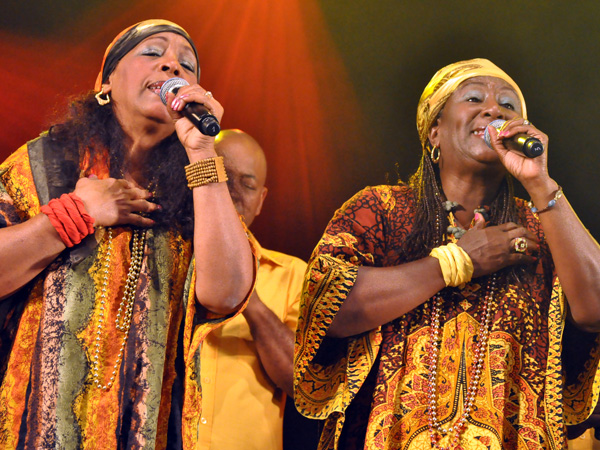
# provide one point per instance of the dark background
(329, 88)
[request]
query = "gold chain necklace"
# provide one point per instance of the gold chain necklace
(436, 431)
(125, 311)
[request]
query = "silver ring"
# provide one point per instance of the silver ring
(526, 122)
(208, 94)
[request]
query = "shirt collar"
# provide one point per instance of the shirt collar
(264, 254)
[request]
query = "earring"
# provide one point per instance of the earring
(102, 101)
(435, 154)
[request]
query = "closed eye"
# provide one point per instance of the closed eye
(151, 52)
(188, 66)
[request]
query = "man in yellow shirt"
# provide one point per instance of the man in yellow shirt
(587, 441)
(246, 365)
(584, 436)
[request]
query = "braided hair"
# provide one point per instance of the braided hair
(431, 219)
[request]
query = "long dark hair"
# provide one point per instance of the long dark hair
(89, 127)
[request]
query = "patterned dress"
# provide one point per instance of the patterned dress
(372, 388)
(49, 333)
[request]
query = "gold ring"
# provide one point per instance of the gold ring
(208, 94)
(520, 245)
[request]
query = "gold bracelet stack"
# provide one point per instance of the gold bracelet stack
(209, 170)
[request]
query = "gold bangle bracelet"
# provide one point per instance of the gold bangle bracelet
(209, 170)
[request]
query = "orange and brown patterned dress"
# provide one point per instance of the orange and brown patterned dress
(48, 336)
(372, 388)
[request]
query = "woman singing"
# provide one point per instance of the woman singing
(444, 312)
(120, 248)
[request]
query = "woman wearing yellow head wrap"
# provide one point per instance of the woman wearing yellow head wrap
(103, 308)
(433, 315)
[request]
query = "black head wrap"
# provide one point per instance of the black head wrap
(132, 36)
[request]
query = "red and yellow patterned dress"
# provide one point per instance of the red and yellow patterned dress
(372, 388)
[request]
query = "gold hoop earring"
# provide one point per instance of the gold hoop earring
(435, 154)
(102, 101)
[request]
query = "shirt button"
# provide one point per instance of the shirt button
(203, 420)
(206, 380)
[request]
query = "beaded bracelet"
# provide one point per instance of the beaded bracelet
(558, 194)
(209, 170)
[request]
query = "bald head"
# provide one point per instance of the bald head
(247, 171)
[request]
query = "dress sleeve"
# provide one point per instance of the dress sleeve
(18, 198)
(572, 376)
(18, 202)
(581, 359)
(329, 372)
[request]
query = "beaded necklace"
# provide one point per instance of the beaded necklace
(125, 311)
(454, 228)
(436, 431)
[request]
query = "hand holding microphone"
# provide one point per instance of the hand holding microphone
(521, 142)
(196, 113)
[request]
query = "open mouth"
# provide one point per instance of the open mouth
(479, 132)
(155, 87)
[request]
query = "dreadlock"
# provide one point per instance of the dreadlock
(431, 219)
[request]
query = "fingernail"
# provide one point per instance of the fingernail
(175, 104)
(478, 216)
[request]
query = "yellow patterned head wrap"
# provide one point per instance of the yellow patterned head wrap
(446, 81)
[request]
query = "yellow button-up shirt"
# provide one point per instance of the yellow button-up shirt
(586, 441)
(241, 407)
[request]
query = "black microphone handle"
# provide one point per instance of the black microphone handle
(199, 115)
(522, 142)
(202, 119)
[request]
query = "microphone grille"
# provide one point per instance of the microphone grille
(169, 86)
(497, 124)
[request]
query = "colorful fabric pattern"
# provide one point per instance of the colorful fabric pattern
(371, 388)
(48, 334)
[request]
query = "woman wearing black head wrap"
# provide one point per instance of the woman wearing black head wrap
(103, 306)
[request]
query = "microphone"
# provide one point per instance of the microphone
(529, 146)
(196, 113)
